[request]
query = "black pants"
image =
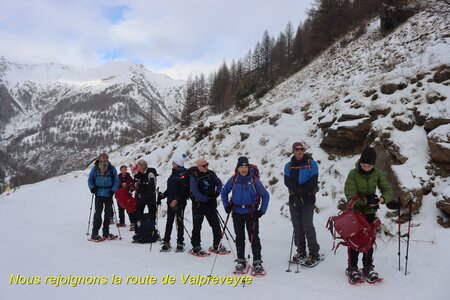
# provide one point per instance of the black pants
(101, 202)
(140, 207)
(122, 214)
(199, 211)
(252, 224)
(367, 256)
(173, 214)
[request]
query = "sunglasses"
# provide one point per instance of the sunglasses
(204, 166)
(299, 149)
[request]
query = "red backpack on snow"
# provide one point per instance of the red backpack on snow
(353, 229)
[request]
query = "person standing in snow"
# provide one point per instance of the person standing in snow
(245, 188)
(145, 183)
(205, 188)
(103, 182)
(176, 203)
(363, 180)
(301, 175)
(125, 182)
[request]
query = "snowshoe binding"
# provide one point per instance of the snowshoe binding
(370, 276)
(312, 260)
(198, 251)
(219, 250)
(166, 248)
(241, 268)
(354, 276)
(257, 269)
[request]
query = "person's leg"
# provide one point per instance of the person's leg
(239, 231)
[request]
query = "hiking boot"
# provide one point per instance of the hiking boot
(240, 266)
(354, 276)
(299, 258)
(198, 250)
(257, 266)
(370, 274)
(166, 247)
(312, 260)
(180, 247)
(132, 227)
(95, 237)
(109, 236)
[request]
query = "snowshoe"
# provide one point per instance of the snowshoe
(132, 227)
(198, 251)
(166, 248)
(312, 260)
(370, 276)
(241, 268)
(257, 269)
(219, 250)
(110, 237)
(298, 258)
(354, 276)
(96, 238)
(121, 225)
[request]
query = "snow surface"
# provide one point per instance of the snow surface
(43, 234)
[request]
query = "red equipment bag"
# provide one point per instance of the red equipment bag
(126, 200)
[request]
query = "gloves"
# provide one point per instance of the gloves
(394, 205)
(228, 209)
(259, 214)
(94, 190)
(373, 201)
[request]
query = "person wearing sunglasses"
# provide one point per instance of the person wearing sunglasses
(205, 188)
(301, 175)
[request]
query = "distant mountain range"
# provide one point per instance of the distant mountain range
(54, 117)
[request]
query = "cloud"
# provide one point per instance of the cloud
(170, 35)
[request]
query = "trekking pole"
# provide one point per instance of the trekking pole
(222, 221)
(220, 241)
(290, 254)
(90, 212)
(409, 233)
(398, 230)
(185, 230)
(115, 219)
(226, 236)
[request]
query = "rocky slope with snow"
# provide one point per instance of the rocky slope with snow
(390, 91)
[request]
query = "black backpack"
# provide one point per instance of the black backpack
(146, 231)
(185, 184)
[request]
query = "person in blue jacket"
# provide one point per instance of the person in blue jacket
(205, 187)
(246, 188)
(301, 175)
(103, 182)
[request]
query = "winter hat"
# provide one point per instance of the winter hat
(295, 145)
(368, 156)
(179, 161)
(242, 161)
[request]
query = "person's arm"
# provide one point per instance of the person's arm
(288, 181)
(91, 182)
(225, 191)
(195, 192)
(218, 183)
(262, 192)
(115, 179)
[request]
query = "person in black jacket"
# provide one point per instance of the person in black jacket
(205, 188)
(145, 184)
(176, 204)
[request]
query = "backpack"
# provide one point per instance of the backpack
(185, 184)
(353, 229)
(146, 231)
(126, 200)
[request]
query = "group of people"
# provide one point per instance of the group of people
(246, 204)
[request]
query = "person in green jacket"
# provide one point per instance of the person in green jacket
(364, 180)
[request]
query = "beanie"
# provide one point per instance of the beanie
(368, 156)
(295, 145)
(242, 161)
(179, 160)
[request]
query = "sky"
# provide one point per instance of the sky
(175, 37)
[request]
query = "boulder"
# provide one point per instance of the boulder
(442, 74)
(402, 123)
(347, 134)
(433, 123)
(388, 88)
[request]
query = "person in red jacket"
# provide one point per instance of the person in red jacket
(125, 182)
